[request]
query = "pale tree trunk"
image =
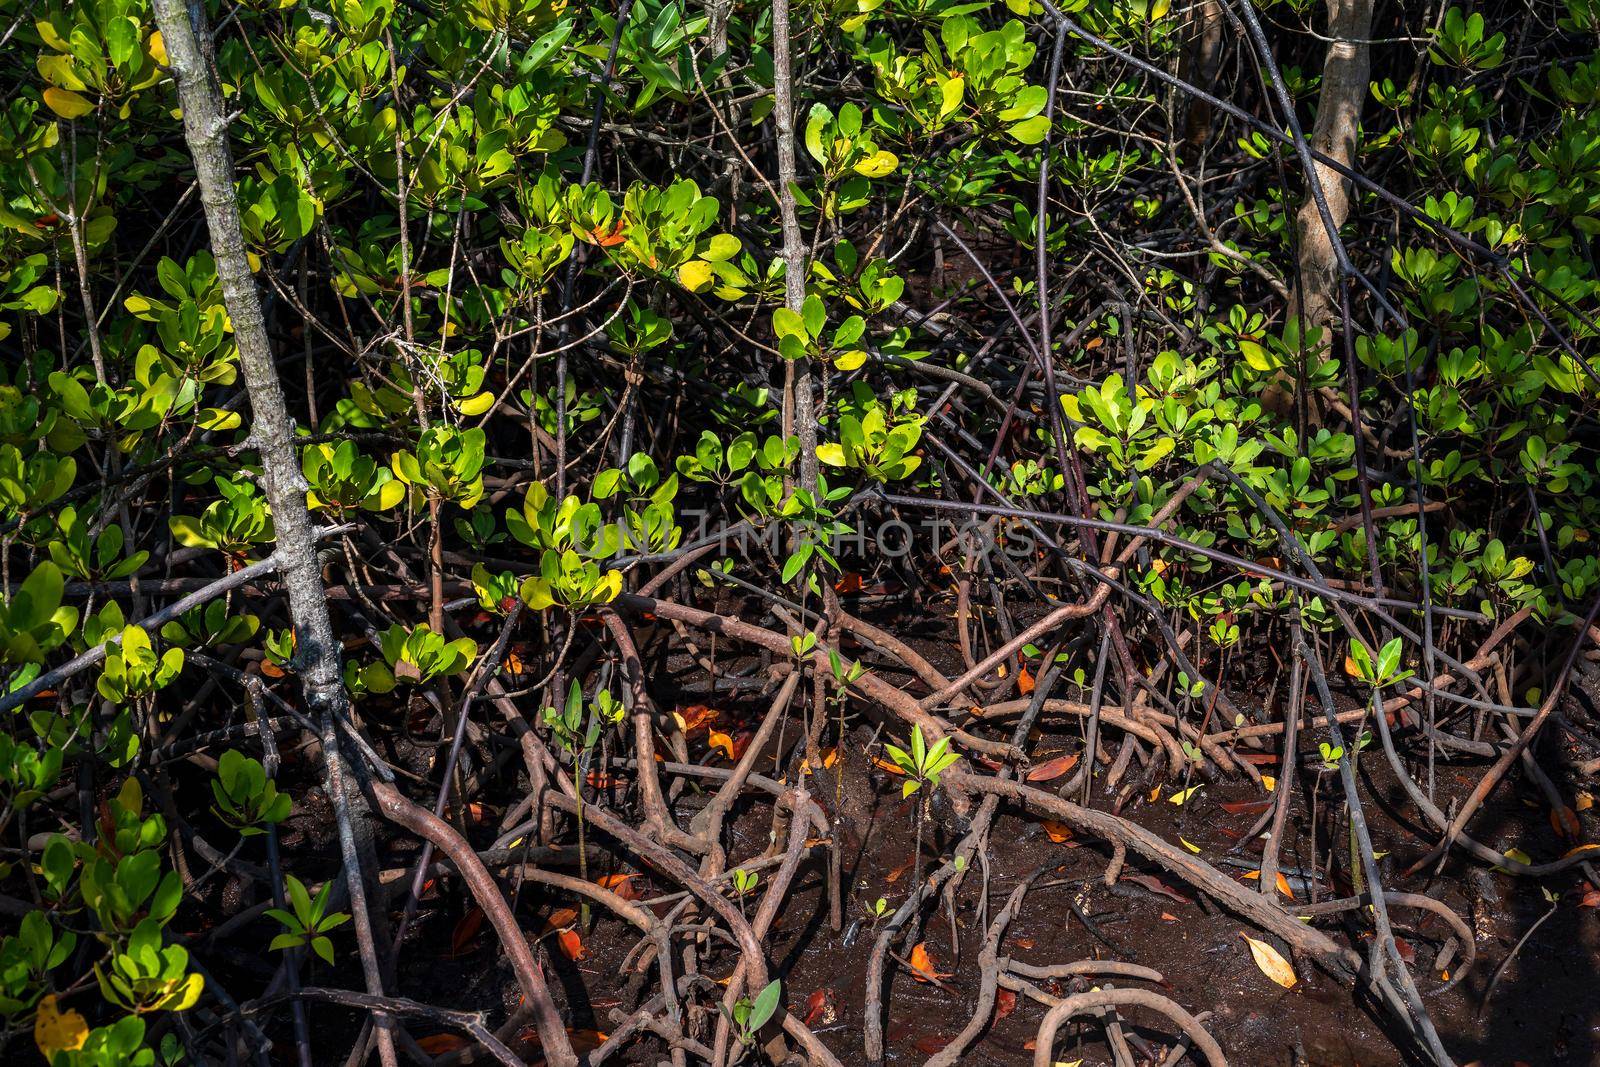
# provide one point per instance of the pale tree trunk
(1335, 134)
(1338, 126)
(316, 649)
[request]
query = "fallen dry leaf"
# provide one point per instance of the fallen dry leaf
(620, 884)
(572, 945)
(718, 739)
(1182, 795)
(822, 1008)
(1005, 1002)
(439, 1044)
(1245, 807)
(1271, 962)
(1155, 885)
(1053, 769)
(922, 965)
(465, 931)
(1058, 832)
(695, 717)
(1025, 682)
(1283, 883)
(1565, 823)
(560, 919)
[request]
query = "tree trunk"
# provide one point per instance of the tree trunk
(205, 128)
(1337, 129)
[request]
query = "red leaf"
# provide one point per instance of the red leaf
(1005, 1002)
(932, 1043)
(439, 1044)
(1050, 771)
(465, 931)
(822, 1007)
(1156, 885)
(1245, 807)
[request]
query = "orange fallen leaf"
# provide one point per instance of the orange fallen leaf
(696, 716)
(1060, 833)
(830, 756)
(1025, 682)
(439, 1044)
(620, 884)
(560, 919)
(572, 945)
(1053, 769)
(849, 583)
(1167, 916)
(1005, 1002)
(895, 875)
(885, 765)
(718, 739)
(922, 965)
(1283, 883)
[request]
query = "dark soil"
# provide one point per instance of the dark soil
(1544, 1010)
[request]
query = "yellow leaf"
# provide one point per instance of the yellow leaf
(1271, 962)
(1268, 782)
(1191, 846)
(695, 275)
(58, 1031)
(718, 739)
(1183, 795)
(1581, 848)
(849, 361)
(1583, 801)
(158, 49)
(68, 105)
(1519, 856)
(877, 165)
